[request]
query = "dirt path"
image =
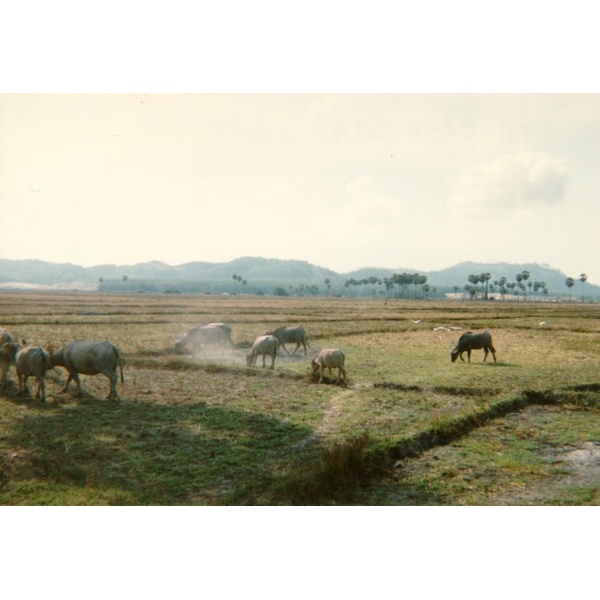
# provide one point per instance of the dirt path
(332, 413)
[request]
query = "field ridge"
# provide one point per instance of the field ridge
(451, 430)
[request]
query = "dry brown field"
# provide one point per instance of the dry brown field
(410, 428)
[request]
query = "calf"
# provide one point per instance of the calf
(473, 341)
(29, 360)
(330, 358)
(263, 345)
(5, 362)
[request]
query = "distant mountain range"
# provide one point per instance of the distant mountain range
(254, 274)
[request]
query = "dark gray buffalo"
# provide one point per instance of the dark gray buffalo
(89, 358)
(293, 335)
(473, 341)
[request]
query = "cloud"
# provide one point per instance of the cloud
(369, 205)
(519, 182)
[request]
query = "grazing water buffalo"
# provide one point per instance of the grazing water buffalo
(5, 362)
(28, 360)
(473, 341)
(89, 358)
(330, 358)
(263, 345)
(213, 334)
(287, 335)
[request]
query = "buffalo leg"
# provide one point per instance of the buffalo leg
(112, 395)
(41, 391)
(79, 386)
(65, 388)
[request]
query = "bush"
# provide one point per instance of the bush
(335, 474)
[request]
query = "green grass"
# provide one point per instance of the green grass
(410, 428)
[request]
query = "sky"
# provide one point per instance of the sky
(345, 181)
(370, 146)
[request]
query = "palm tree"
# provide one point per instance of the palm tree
(502, 285)
(485, 278)
(583, 279)
(570, 282)
(519, 278)
(474, 279)
(419, 280)
(372, 281)
(403, 280)
(525, 275)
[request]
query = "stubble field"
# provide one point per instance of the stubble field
(410, 428)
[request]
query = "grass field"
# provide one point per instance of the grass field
(410, 428)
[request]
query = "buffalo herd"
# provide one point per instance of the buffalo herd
(93, 358)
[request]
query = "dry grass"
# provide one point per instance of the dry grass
(211, 431)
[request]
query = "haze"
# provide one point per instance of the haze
(341, 180)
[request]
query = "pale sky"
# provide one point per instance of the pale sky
(344, 181)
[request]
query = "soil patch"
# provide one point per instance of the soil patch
(583, 462)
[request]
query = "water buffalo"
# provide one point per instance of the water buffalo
(89, 358)
(213, 334)
(263, 345)
(295, 335)
(5, 362)
(473, 341)
(28, 360)
(330, 358)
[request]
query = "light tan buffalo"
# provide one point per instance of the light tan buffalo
(330, 358)
(265, 345)
(28, 360)
(5, 362)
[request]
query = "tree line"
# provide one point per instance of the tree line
(411, 286)
(399, 285)
(482, 286)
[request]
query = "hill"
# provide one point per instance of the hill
(259, 274)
